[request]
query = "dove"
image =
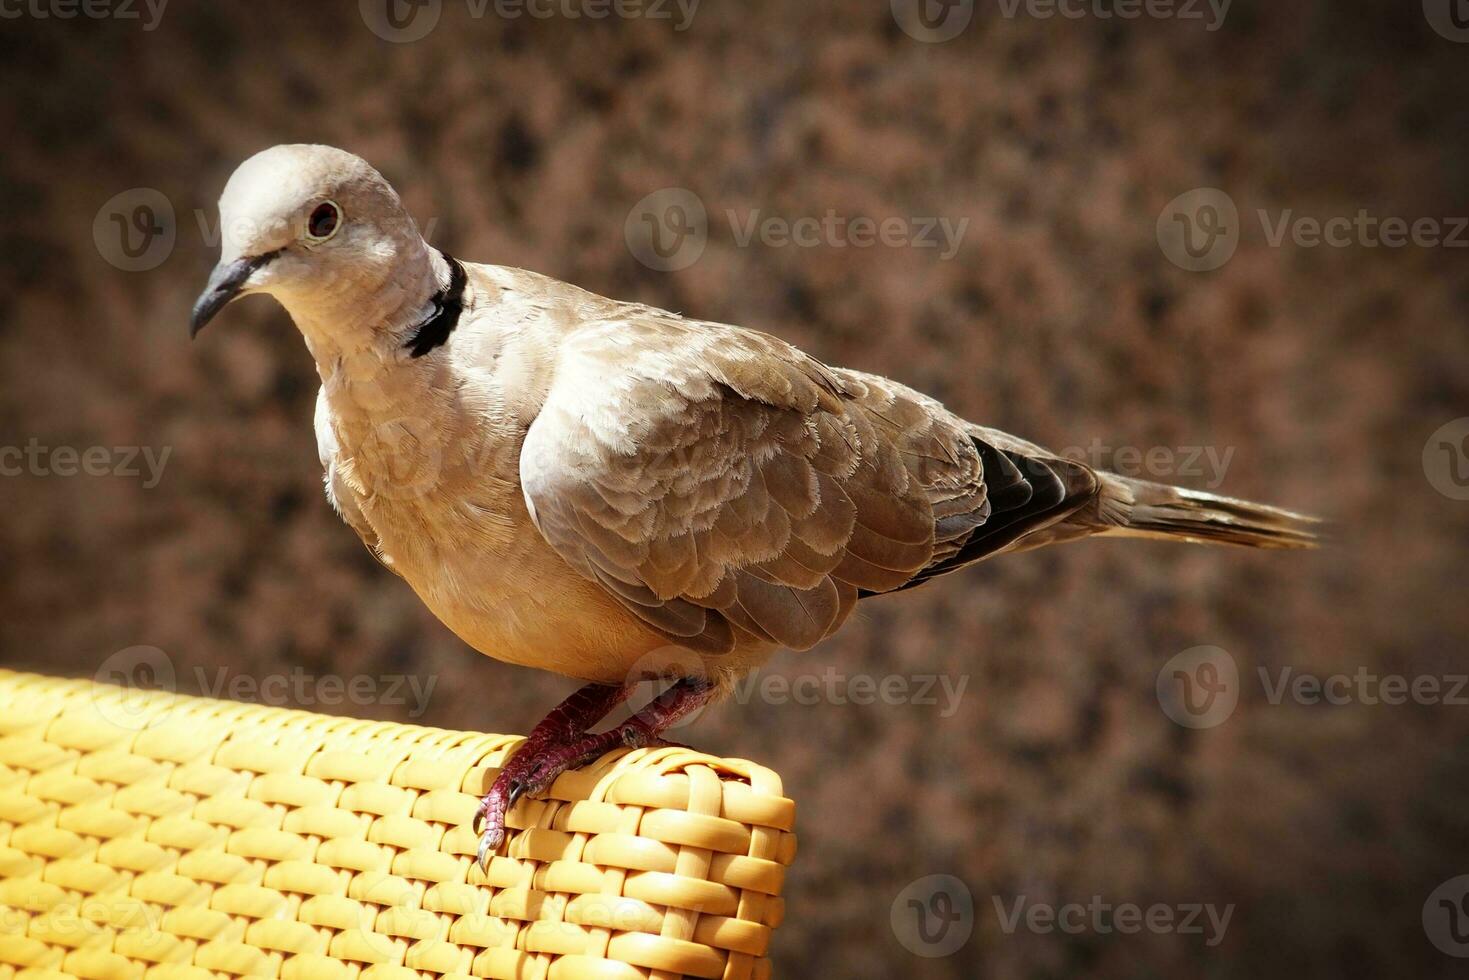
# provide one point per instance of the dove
(578, 484)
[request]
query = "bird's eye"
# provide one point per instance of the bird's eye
(324, 221)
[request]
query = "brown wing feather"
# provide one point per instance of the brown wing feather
(719, 482)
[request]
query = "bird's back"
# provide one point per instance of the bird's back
(569, 472)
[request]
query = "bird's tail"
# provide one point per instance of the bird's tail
(1139, 508)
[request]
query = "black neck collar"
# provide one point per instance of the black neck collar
(448, 304)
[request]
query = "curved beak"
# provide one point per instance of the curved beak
(224, 285)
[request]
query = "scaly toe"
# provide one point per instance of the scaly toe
(489, 842)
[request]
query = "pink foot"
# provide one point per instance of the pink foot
(561, 742)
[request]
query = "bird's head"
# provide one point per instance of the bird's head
(320, 230)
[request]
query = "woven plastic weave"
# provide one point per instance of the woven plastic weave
(160, 837)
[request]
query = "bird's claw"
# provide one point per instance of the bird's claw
(554, 749)
(517, 790)
(489, 819)
(488, 842)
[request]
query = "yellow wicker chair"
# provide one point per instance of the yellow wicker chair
(161, 837)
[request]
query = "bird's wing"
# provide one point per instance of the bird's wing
(718, 481)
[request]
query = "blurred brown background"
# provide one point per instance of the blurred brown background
(528, 141)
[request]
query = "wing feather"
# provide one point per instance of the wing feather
(725, 487)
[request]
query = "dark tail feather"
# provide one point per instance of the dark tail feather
(1137, 508)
